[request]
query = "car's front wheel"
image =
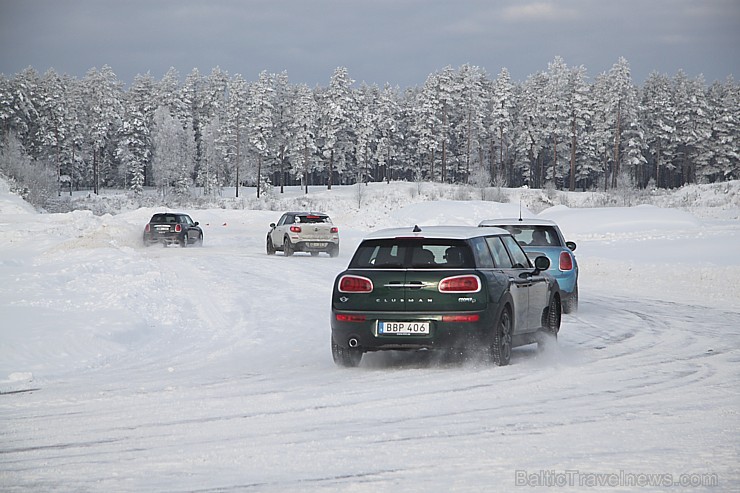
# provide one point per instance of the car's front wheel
(184, 241)
(345, 357)
(502, 335)
(270, 246)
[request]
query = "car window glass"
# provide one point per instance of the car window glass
(378, 255)
(423, 254)
(482, 254)
(500, 255)
(517, 254)
(543, 236)
(312, 219)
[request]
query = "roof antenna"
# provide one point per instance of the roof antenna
(417, 229)
(520, 207)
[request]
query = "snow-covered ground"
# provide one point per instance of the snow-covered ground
(124, 368)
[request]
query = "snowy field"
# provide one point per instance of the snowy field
(130, 369)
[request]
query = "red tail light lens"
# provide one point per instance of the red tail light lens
(295, 229)
(460, 284)
(566, 261)
(335, 230)
(147, 228)
(461, 318)
(178, 228)
(355, 284)
(343, 317)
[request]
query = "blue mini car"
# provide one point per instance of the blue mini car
(543, 237)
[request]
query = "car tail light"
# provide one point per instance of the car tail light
(343, 317)
(461, 318)
(460, 284)
(355, 284)
(295, 229)
(178, 228)
(566, 261)
(335, 230)
(147, 228)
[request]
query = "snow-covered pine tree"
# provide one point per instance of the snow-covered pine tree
(302, 128)
(503, 107)
(260, 124)
(134, 140)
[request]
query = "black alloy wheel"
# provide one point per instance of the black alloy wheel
(502, 335)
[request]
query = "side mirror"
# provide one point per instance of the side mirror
(272, 225)
(571, 245)
(196, 223)
(541, 263)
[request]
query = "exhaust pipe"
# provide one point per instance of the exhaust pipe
(353, 342)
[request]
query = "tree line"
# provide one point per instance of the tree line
(460, 126)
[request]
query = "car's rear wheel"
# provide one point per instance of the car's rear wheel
(270, 246)
(551, 319)
(287, 247)
(333, 251)
(553, 316)
(570, 305)
(345, 357)
(501, 343)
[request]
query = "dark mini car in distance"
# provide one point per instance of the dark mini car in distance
(543, 237)
(449, 288)
(172, 228)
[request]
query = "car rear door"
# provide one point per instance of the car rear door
(519, 287)
(535, 285)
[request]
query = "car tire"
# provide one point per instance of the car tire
(570, 305)
(333, 252)
(553, 316)
(184, 241)
(551, 319)
(287, 247)
(345, 357)
(270, 246)
(200, 240)
(501, 343)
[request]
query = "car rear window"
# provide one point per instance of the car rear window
(412, 253)
(164, 219)
(313, 219)
(534, 235)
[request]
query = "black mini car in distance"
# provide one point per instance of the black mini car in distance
(169, 228)
(449, 288)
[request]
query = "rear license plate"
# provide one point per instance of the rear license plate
(317, 245)
(403, 328)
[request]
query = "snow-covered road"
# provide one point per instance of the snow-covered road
(208, 369)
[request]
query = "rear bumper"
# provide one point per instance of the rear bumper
(443, 334)
(315, 246)
(167, 238)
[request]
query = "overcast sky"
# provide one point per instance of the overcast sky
(396, 41)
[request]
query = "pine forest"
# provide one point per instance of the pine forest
(558, 128)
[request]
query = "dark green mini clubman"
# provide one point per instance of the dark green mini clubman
(450, 288)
